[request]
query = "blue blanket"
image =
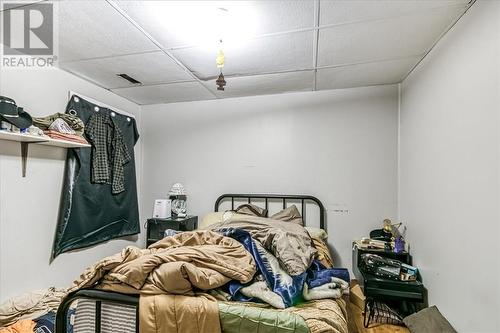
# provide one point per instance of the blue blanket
(289, 288)
(318, 275)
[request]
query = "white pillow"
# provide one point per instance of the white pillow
(215, 217)
(210, 218)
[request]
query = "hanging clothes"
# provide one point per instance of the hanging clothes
(98, 204)
(109, 151)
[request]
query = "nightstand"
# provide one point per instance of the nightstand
(156, 227)
(404, 293)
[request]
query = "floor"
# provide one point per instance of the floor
(356, 323)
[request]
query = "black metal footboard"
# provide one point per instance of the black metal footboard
(98, 296)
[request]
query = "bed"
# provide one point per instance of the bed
(113, 312)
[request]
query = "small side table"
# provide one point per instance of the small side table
(407, 293)
(156, 227)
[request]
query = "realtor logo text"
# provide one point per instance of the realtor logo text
(28, 35)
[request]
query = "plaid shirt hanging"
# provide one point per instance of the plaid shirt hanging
(120, 157)
(109, 152)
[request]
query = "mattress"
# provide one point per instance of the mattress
(115, 318)
(235, 317)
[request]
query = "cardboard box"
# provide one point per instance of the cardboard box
(356, 295)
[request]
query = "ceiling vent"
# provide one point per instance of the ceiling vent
(129, 78)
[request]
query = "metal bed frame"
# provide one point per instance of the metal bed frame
(277, 197)
(100, 296)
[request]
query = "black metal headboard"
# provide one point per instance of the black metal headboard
(283, 197)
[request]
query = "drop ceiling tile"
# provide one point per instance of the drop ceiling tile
(259, 55)
(276, 16)
(147, 68)
(165, 93)
(386, 72)
(89, 29)
(384, 39)
(342, 11)
(264, 84)
(181, 23)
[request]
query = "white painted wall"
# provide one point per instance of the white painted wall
(29, 206)
(340, 146)
(449, 177)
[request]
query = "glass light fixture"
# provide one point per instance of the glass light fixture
(219, 61)
(178, 196)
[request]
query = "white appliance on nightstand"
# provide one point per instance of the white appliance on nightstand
(162, 208)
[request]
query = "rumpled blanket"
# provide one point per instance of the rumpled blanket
(236, 317)
(30, 305)
(335, 288)
(178, 313)
(201, 259)
(290, 243)
(174, 265)
(273, 285)
(318, 274)
(320, 316)
(323, 316)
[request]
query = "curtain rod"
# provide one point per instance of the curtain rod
(90, 99)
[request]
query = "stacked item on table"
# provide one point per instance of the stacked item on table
(386, 268)
(62, 126)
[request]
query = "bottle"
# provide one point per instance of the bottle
(399, 245)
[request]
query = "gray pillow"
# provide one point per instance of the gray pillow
(249, 209)
(428, 320)
(290, 214)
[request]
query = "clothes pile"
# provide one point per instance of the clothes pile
(61, 126)
(42, 324)
(22, 326)
(288, 271)
(32, 312)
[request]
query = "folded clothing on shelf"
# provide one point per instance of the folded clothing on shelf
(61, 126)
(67, 137)
(73, 121)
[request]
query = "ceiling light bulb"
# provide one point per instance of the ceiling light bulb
(204, 23)
(220, 57)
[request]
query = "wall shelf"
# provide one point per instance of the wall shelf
(42, 140)
(62, 143)
(4, 135)
(26, 139)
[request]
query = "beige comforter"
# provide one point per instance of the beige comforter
(165, 275)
